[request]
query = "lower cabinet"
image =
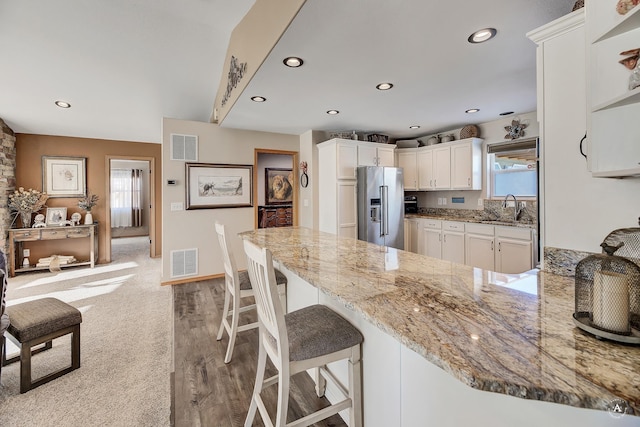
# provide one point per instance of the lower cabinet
(502, 249)
(444, 240)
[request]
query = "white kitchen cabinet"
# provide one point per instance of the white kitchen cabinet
(443, 240)
(455, 165)
(375, 154)
(407, 161)
(411, 233)
(453, 241)
(347, 218)
(424, 162)
(337, 185)
(514, 249)
(613, 108)
(480, 246)
(442, 168)
(466, 164)
(431, 244)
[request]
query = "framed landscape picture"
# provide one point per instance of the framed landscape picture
(64, 176)
(210, 186)
(278, 186)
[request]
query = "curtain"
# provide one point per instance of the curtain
(126, 197)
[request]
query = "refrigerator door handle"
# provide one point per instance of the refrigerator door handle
(384, 193)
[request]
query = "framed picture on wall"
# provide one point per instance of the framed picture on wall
(212, 186)
(56, 216)
(64, 176)
(278, 186)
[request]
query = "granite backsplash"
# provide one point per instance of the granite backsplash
(492, 211)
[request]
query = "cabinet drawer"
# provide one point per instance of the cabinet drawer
(453, 226)
(26, 235)
(78, 232)
(432, 223)
(514, 233)
(53, 233)
(484, 229)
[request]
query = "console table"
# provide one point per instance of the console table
(17, 237)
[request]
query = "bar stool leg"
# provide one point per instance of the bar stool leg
(257, 388)
(355, 392)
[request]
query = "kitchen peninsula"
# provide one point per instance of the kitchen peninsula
(447, 344)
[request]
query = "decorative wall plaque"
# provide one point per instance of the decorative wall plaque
(236, 72)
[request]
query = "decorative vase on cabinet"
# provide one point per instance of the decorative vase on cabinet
(88, 218)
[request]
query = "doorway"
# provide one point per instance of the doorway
(130, 203)
(275, 180)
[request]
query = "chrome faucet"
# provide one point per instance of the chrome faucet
(517, 206)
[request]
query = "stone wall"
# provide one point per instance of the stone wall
(7, 178)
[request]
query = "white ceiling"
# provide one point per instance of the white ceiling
(123, 65)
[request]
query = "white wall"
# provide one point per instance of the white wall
(194, 228)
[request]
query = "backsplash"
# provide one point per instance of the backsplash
(492, 211)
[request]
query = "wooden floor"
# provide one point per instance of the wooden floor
(206, 392)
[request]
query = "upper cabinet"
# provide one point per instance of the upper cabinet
(613, 107)
(376, 154)
(449, 166)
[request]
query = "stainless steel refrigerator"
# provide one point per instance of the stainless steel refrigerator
(381, 206)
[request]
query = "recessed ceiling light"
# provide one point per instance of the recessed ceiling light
(482, 35)
(258, 98)
(293, 62)
(472, 110)
(333, 112)
(384, 86)
(506, 113)
(63, 104)
(414, 127)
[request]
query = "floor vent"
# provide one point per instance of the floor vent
(184, 263)
(184, 147)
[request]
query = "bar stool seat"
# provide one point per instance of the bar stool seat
(39, 322)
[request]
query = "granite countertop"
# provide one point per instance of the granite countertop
(510, 334)
(477, 220)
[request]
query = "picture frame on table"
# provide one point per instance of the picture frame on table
(278, 186)
(212, 185)
(64, 176)
(56, 216)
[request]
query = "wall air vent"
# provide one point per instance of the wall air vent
(184, 263)
(184, 147)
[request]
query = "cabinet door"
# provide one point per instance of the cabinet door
(462, 166)
(432, 243)
(442, 168)
(424, 165)
(407, 235)
(347, 209)
(407, 161)
(453, 247)
(386, 156)
(513, 256)
(367, 155)
(347, 160)
(479, 251)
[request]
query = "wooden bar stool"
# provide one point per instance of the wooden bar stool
(39, 322)
(304, 339)
(238, 286)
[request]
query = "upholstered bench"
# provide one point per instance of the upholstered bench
(39, 322)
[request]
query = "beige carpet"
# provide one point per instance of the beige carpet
(125, 346)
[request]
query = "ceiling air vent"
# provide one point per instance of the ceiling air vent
(184, 263)
(184, 147)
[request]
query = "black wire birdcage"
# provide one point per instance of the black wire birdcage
(607, 289)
